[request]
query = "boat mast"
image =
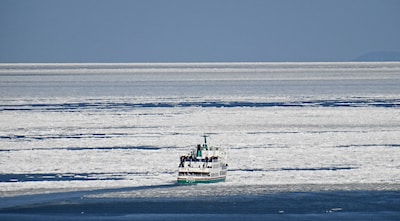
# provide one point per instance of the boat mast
(205, 142)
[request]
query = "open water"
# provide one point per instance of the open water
(306, 141)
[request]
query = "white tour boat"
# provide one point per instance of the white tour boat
(204, 164)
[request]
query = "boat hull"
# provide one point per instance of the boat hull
(195, 180)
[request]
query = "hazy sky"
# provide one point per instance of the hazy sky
(202, 30)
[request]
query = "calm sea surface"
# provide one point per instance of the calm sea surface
(199, 79)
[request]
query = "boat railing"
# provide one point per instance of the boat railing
(198, 159)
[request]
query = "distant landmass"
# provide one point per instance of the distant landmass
(380, 56)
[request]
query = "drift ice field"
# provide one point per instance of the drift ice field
(67, 127)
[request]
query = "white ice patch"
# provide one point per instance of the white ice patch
(117, 125)
(267, 146)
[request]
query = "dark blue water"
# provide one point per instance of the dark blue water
(68, 107)
(319, 205)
